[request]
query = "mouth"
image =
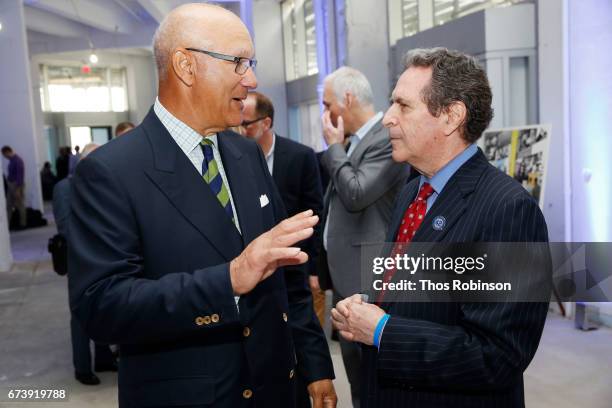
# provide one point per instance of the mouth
(240, 101)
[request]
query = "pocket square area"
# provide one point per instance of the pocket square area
(263, 200)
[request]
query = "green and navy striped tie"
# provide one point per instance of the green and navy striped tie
(210, 172)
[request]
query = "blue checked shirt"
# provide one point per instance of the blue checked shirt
(189, 142)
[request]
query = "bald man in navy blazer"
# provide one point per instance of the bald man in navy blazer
(447, 354)
(178, 244)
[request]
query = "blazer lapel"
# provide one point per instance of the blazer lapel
(452, 203)
(403, 203)
(443, 215)
(279, 170)
(243, 185)
(176, 177)
(364, 143)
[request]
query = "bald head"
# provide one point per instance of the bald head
(197, 25)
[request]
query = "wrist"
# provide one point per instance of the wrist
(234, 267)
(379, 329)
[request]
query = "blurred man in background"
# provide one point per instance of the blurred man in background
(15, 199)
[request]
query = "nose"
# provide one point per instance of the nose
(249, 80)
(389, 120)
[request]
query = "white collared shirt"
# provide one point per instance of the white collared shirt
(363, 130)
(270, 155)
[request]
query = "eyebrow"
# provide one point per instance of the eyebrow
(399, 99)
(244, 51)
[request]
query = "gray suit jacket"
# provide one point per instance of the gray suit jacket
(359, 202)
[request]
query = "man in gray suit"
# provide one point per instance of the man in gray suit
(364, 181)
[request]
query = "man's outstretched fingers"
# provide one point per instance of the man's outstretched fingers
(293, 237)
(291, 225)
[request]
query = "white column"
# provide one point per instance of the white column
(6, 258)
(16, 98)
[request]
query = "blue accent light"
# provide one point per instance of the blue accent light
(590, 107)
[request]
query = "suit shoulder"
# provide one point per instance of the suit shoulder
(500, 188)
(293, 146)
(123, 150)
(244, 144)
(379, 138)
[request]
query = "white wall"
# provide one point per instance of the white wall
(142, 85)
(552, 97)
(367, 45)
(17, 114)
(590, 107)
(270, 70)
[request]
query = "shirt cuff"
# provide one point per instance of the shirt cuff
(379, 330)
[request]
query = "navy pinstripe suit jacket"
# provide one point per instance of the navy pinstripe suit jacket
(460, 354)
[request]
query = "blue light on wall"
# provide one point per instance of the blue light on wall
(590, 110)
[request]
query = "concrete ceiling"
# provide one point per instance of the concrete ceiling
(55, 26)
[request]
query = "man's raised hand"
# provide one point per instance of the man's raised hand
(271, 250)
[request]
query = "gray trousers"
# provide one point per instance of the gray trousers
(351, 357)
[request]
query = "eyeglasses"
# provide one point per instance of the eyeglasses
(247, 123)
(242, 64)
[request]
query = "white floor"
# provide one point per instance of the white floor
(571, 369)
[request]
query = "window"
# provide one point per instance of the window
(82, 135)
(305, 124)
(446, 10)
(408, 17)
(300, 42)
(73, 89)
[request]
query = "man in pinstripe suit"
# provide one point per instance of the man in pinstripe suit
(447, 354)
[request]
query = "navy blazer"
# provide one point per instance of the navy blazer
(152, 247)
(296, 174)
(460, 354)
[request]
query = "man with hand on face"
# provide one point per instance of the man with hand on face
(364, 182)
(295, 171)
(178, 240)
(447, 354)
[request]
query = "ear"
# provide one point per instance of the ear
(267, 122)
(454, 117)
(183, 65)
(349, 99)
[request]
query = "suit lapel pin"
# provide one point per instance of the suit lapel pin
(438, 223)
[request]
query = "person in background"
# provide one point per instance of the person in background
(15, 199)
(47, 181)
(81, 353)
(123, 127)
(294, 169)
(364, 181)
(62, 163)
(73, 160)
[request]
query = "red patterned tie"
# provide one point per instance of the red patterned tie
(413, 217)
